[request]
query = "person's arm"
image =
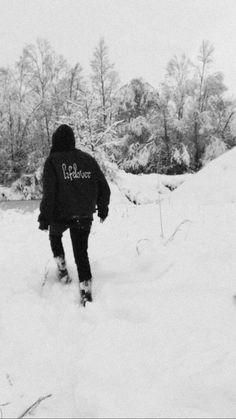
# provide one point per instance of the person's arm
(48, 199)
(103, 197)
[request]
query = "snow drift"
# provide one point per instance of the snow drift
(214, 184)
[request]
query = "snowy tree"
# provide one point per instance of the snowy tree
(69, 91)
(206, 86)
(16, 116)
(137, 98)
(47, 70)
(134, 107)
(178, 82)
(104, 82)
(193, 108)
(179, 127)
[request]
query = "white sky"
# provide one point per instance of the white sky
(142, 35)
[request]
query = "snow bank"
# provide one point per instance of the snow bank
(214, 184)
(144, 189)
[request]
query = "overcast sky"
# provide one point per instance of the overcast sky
(142, 35)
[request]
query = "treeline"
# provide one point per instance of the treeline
(173, 129)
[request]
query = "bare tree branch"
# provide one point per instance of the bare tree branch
(33, 406)
(177, 228)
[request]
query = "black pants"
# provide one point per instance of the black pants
(79, 233)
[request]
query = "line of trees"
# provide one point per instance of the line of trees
(175, 128)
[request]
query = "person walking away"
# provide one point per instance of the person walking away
(74, 187)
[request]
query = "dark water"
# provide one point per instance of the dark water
(20, 205)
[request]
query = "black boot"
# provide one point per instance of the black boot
(85, 291)
(63, 275)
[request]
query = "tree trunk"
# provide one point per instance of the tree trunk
(103, 101)
(196, 143)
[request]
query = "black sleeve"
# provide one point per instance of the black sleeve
(49, 193)
(103, 196)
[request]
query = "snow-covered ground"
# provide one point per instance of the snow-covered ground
(159, 339)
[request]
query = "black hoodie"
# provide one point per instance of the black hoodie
(73, 183)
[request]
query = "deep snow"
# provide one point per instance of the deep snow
(158, 340)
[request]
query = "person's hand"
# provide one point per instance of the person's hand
(102, 217)
(43, 224)
(102, 214)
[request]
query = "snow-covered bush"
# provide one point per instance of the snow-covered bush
(180, 160)
(214, 149)
(29, 186)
